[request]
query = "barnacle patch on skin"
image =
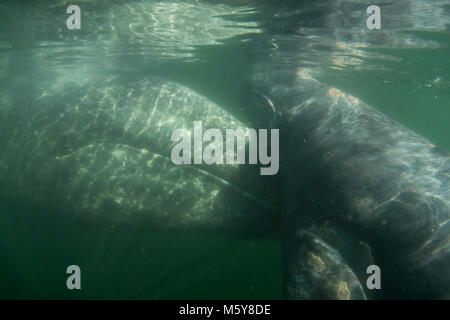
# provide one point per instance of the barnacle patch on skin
(335, 93)
(342, 292)
(316, 262)
(353, 99)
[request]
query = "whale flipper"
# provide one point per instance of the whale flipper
(315, 270)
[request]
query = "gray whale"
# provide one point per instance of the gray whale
(103, 149)
(358, 188)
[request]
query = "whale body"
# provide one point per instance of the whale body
(350, 172)
(104, 149)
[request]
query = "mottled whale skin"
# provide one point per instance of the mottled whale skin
(374, 177)
(358, 188)
(102, 151)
